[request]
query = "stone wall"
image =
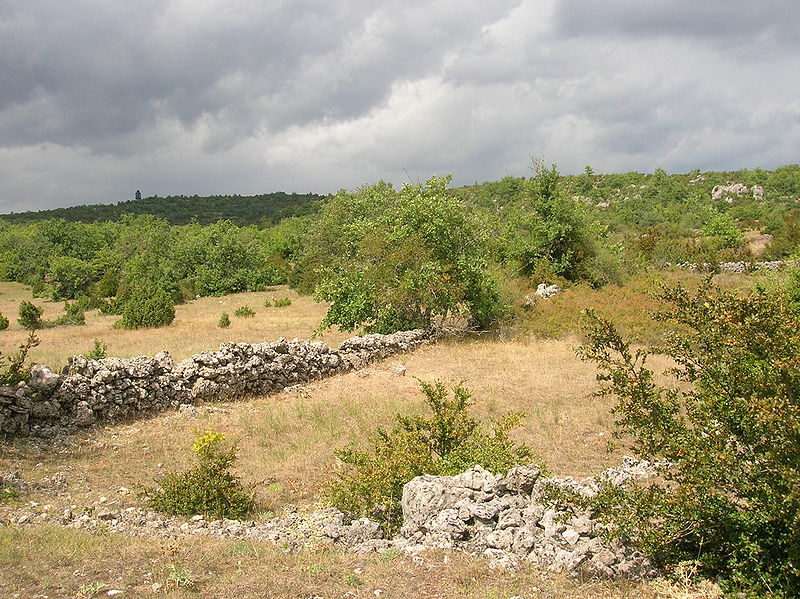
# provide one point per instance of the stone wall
(90, 392)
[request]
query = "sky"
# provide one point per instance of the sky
(99, 98)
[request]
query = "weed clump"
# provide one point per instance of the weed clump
(98, 352)
(13, 368)
(282, 302)
(224, 321)
(209, 488)
(447, 443)
(244, 312)
(3, 322)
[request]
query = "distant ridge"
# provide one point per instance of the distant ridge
(263, 209)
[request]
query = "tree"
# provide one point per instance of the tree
(729, 428)
(550, 230)
(391, 260)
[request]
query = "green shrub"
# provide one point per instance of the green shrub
(72, 315)
(224, 321)
(30, 316)
(3, 322)
(244, 312)
(86, 302)
(209, 488)
(13, 369)
(447, 443)
(282, 302)
(267, 303)
(730, 427)
(147, 308)
(98, 352)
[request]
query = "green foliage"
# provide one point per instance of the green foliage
(447, 443)
(147, 307)
(244, 312)
(390, 260)
(224, 321)
(550, 229)
(730, 427)
(73, 315)
(209, 488)
(98, 352)
(3, 322)
(30, 316)
(13, 369)
(282, 302)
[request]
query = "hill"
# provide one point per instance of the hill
(262, 209)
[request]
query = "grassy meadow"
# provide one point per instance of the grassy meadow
(286, 443)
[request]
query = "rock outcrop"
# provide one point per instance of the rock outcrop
(509, 519)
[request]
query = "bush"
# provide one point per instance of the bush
(98, 352)
(224, 321)
(390, 261)
(30, 316)
(282, 302)
(447, 443)
(244, 312)
(13, 369)
(3, 322)
(72, 315)
(147, 308)
(208, 489)
(730, 427)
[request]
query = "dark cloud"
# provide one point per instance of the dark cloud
(212, 96)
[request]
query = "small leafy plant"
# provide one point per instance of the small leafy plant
(209, 488)
(3, 322)
(447, 443)
(282, 302)
(224, 321)
(244, 312)
(13, 369)
(98, 352)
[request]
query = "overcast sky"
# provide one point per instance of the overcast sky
(99, 98)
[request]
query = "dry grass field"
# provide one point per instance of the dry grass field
(286, 445)
(194, 329)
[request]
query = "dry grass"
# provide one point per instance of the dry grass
(629, 306)
(194, 329)
(286, 445)
(57, 563)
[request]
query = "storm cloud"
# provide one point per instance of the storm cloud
(99, 99)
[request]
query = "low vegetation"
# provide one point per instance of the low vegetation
(209, 488)
(244, 312)
(446, 443)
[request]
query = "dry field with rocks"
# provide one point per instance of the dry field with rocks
(286, 443)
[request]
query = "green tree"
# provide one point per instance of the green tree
(550, 230)
(392, 260)
(147, 307)
(729, 427)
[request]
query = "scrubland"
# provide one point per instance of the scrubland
(286, 444)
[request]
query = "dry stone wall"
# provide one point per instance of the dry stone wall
(90, 392)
